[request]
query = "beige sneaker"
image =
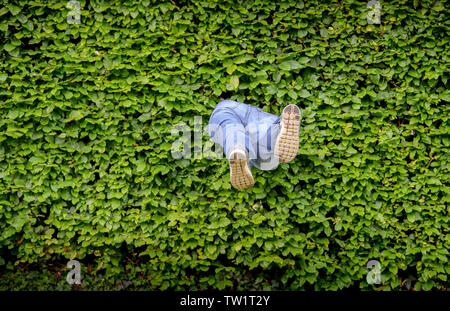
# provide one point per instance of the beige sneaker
(240, 174)
(286, 146)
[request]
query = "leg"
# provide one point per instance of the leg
(226, 128)
(240, 173)
(263, 128)
(287, 142)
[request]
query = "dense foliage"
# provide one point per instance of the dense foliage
(88, 112)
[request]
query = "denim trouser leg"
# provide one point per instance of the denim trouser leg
(227, 128)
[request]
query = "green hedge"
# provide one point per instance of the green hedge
(86, 170)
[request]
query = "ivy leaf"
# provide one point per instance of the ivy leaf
(234, 81)
(188, 64)
(290, 65)
(292, 94)
(19, 221)
(140, 165)
(304, 93)
(14, 9)
(9, 47)
(74, 115)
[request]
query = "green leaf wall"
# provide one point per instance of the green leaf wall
(86, 170)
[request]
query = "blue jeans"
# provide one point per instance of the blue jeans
(237, 125)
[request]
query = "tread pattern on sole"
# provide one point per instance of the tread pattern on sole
(287, 143)
(240, 174)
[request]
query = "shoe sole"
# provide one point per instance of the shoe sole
(287, 143)
(240, 174)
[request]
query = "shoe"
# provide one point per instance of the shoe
(240, 174)
(287, 143)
